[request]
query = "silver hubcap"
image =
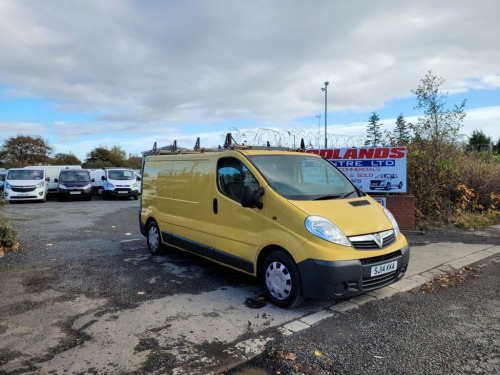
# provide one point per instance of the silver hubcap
(278, 280)
(153, 238)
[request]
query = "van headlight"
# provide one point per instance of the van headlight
(393, 222)
(40, 184)
(109, 185)
(62, 186)
(325, 229)
(7, 186)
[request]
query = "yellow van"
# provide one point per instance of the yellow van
(290, 218)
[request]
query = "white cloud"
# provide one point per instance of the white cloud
(166, 68)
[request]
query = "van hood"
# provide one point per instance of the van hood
(24, 182)
(352, 216)
(75, 183)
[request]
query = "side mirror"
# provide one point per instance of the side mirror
(138, 178)
(56, 180)
(103, 178)
(92, 180)
(250, 197)
(47, 179)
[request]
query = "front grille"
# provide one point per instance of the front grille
(381, 258)
(379, 281)
(373, 241)
(23, 189)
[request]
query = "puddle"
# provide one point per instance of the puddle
(254, 303)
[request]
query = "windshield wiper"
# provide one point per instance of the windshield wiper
(347, 194)
(326, 197)
(335, 196)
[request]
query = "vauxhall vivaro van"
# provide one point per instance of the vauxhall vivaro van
(23, 184)
(290, 218)
(74, 183)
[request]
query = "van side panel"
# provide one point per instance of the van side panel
(177, 194)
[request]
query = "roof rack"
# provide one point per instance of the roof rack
(229, 144)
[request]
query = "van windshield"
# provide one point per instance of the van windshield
(121, 175)
(303, 177)
(74, 176)
(25, 174)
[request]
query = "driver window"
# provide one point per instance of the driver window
(232, 175)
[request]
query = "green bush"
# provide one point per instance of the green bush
(8, 235)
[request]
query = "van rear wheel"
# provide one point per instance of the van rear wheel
(281, 280)
(155, 245)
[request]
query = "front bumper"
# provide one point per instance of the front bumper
(75, 193)
(339, 279)
(121, 192)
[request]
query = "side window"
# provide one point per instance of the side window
(232, 175)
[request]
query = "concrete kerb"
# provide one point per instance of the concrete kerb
(251, 348)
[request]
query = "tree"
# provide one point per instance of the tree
(439, 124)
(479, 141)
(134, 162)
(119, 156)
(434, 158)
(401, 132)
(374, 135)
(496, 147)
(66, 159)
(24, 150)
(101, 157)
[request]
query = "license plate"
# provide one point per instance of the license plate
(122, 192)
(23, 194)
(384, 268)
(75, 192)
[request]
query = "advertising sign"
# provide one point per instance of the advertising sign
(372, 169)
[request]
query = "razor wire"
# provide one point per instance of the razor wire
(292, 138)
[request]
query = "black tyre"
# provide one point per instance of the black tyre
(281, 279)
(155, 245)
(400, 185)
(136, 197)
(388, 186)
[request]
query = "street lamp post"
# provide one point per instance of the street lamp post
(319, 130)
(326, 91)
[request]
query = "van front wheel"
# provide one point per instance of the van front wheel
(282, 280)
(154, 241)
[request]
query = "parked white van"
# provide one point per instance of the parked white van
(120, 182)
(26, 184)
(96, 175)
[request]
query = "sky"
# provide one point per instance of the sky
(87, 74)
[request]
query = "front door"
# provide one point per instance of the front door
(237, 229)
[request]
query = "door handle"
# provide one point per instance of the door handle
(215, 206)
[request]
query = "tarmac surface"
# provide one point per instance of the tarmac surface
(85, 290)
(430, 259)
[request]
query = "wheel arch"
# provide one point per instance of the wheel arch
(263, 255)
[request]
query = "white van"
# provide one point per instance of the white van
(120, 182)
(96, 175)
(26, 184)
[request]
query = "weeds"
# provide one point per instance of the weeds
(8, 236)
